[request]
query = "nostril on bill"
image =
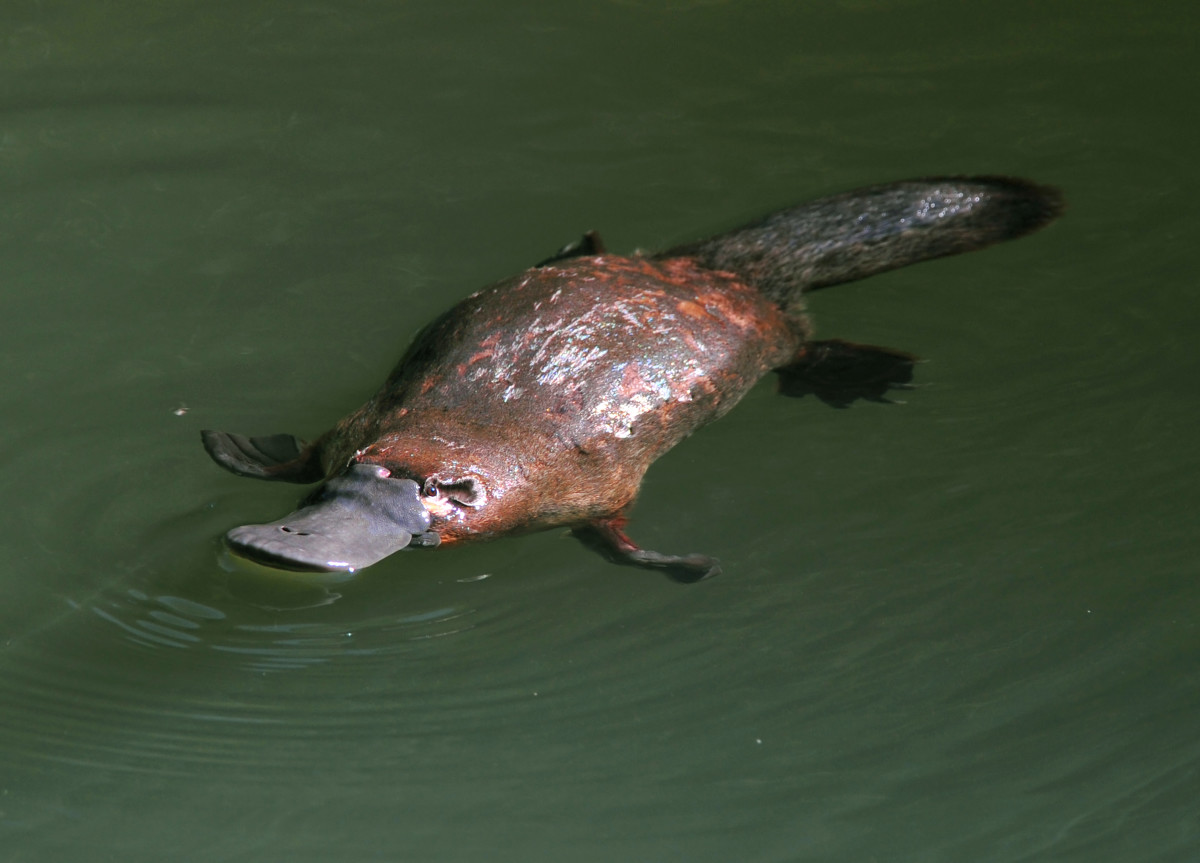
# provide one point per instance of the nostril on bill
(287, 529)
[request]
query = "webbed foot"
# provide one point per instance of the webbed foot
(608, 539)
(278, 457)
(839, 373)
(586, 246)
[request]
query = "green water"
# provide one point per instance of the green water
(958, 629)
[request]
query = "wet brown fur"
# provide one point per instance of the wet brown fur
(558, 388)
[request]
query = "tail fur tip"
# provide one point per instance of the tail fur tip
(1028, 206)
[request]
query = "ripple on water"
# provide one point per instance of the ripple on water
(262, 637)
(166, 683)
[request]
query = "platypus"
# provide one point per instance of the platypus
(541, 401)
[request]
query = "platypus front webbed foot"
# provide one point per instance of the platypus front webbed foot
(606, 537)
(281, 457)
(839, 373)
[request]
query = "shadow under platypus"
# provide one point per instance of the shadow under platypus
(542, 400)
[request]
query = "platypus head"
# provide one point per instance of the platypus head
(355, 519)
(394, 493)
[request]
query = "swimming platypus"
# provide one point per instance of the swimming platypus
(542, 400)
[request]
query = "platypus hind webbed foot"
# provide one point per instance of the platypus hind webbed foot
(607, 538)
(839, 372)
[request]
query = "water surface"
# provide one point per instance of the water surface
(962, 628)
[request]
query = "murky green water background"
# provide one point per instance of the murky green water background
(961, 629)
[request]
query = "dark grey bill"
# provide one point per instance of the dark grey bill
(355, 519)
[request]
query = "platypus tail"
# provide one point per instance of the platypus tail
(857, 234)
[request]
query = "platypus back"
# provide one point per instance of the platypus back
(850, 236)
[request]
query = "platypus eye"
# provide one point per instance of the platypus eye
(465, 490)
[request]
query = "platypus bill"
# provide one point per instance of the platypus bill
(542, 400)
